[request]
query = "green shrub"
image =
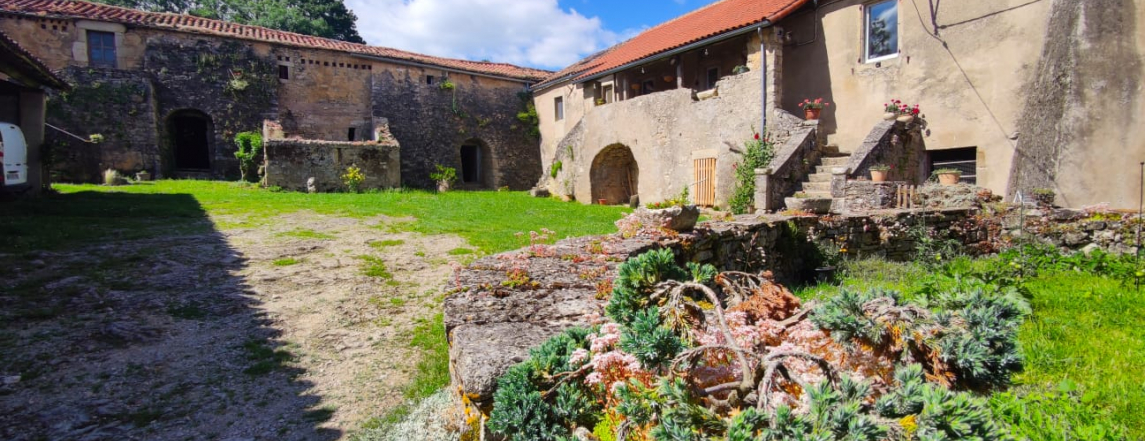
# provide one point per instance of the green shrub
(758, 153)
(353, 179)
(249, 154)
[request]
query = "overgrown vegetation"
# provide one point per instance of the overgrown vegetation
(1081, 354)
(860, 366)
(353, 179)
(249, 154)
(758, 153)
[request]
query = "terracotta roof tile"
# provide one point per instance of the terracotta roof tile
(709, 21)
(187, 23)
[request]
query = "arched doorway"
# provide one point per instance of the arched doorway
(614, 175)
(190, 134)
(476, 164)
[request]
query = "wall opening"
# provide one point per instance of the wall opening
(190, 133)
(476, 165)
(614, 175)
(964, 160)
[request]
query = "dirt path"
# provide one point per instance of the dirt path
(274, 332)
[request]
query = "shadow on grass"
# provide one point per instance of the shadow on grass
(123, 317)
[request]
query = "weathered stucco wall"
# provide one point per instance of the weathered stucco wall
(433, 123)
(968, 78)
(1081, 131)
(666, 130)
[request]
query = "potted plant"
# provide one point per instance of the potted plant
(948, 176)
(892, 109)
(907, 113)
(812, 109)
(1044, 196)
(444, 177)
(879, 172)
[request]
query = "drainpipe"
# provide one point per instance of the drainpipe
(762, 81)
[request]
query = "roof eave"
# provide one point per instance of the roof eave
(672, 52)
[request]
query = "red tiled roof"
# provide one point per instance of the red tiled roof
(706, 22)
(21, 65)
(187, 23)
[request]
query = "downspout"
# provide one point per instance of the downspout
(762, 81)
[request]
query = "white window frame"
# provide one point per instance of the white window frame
(867, 33)
(707, 77)
(559, 107)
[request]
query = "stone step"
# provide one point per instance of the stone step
(819, 177)
(825, 169)
(834, 161)
(817, 187)
(829, 150)
(817, 194)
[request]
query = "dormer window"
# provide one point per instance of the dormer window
(101, 49)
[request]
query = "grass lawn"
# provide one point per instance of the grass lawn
(1084, 349)
(85, 213)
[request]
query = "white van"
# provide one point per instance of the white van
(14, 155)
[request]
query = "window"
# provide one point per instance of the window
(283, 72)
(964, 160)
(101, 49)
(429, 79)
(713, 76)
(607, 92)
(559, 107)
(350, 134)
(647, 87)
(882, 31)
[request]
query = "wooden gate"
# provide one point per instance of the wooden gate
(704, 182)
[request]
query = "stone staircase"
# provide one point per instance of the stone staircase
(817, 185)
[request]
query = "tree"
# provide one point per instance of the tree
(320, 18)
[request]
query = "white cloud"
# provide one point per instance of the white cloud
(524, 32)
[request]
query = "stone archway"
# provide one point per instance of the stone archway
(190, 132)
(476, 162)
(614, 175)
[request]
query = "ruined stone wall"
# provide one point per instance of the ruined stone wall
(432, 123)
(327, 93)
(290, 163)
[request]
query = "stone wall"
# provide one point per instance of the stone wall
(792, 162)
(290, 163)
(118, 104)
(896, 144)
(432, 123)
(234, 84)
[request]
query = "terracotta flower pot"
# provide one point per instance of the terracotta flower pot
(602, 201)
(812, 114)
(879, 175)
(949, 178)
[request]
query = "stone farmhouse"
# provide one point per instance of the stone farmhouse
(169, 92)
(1017, 94)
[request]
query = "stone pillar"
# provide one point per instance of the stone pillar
(763, 190)
(773, 75)
(839, 181)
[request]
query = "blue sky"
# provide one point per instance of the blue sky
(547, 34)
